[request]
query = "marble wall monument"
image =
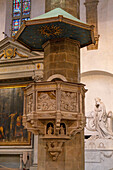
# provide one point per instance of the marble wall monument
(99, 146)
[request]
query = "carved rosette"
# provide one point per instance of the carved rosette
(55, 110)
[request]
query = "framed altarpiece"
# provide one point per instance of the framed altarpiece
(12, 132)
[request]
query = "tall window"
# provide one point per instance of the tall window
(21, 12)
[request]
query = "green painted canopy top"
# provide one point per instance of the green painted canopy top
(56, 23)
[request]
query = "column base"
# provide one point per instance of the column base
(34, 167)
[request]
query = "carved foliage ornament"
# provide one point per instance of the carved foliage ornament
(11, 53)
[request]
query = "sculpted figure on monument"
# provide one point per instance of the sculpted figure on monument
(98, 120)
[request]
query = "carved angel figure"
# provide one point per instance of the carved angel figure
(98, 120)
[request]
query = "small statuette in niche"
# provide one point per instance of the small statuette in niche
(62, 130)
(50, 130)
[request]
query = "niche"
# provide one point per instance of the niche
(62, 130)
(50, 129)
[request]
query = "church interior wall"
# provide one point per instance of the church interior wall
(37, 8)
(97, 74)
(2, 17)
(103, 55)
(96, 65)
(8, 21)
(99, 84)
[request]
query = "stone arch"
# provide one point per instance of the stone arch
(57, 76)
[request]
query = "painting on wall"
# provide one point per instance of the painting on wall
(12, 131)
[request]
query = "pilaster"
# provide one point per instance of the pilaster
(92, 19)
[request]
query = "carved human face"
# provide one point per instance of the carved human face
(97, 102)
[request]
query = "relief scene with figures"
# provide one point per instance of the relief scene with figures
(12, 131)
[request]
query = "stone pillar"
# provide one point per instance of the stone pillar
(62, 56)
(92, 19)
(70, 6)
(35, 150)
(35, 154)
(74, 153)
(71, 157)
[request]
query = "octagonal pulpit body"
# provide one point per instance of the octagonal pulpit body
(54, 109)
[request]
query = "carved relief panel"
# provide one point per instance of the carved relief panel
(29, 103)
(46, 100)
(69, 101)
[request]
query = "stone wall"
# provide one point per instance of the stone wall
(70, 6)
(37, 8)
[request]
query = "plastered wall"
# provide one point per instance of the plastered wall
(2, 17)
(97, 65)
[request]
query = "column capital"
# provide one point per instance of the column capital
(90, 2)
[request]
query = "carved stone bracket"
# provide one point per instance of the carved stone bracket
(80, 126)
(54, 148)
(37, 78)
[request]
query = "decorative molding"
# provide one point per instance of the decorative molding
(11, 53)
(57, 76)
(107, 155)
